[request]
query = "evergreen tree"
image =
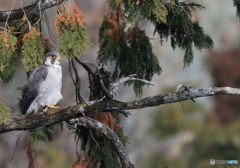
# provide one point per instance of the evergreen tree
(121, 43)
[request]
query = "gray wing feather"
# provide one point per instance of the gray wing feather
(36, 78)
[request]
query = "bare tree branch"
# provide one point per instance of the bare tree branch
(115, 86)
(29, 10)
(54, 116)
(110, 134)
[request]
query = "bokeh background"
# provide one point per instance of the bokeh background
(174, 135)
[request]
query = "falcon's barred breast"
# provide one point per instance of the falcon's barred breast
(44, 85)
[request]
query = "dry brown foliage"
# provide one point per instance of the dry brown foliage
(137, 2)
(46, 44)
(107, 119)
(24, 18)
(84, 160)
(4, 35)
(69, 13)
(29, 152)
(20, 39)
(31, 34)
(116, 22)
(133, 33)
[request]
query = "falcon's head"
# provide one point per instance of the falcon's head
(52, 58)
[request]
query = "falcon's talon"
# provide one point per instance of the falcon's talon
(53, 107)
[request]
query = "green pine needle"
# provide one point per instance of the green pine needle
(40, 135)
(184, 32)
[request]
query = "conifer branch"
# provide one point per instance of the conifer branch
(29, 10)
(54, 116)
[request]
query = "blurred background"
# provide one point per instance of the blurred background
(173, 135)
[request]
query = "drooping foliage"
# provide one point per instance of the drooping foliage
(32, 50)
(107, 157)
(40, 135)
(184, 32)
(8, 56)
(71, 28)
(130, 50)
(5, 114)
(237, 4)
(139, 10)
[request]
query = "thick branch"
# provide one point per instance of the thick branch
(110, 134)
(29, 10)
(53, 116)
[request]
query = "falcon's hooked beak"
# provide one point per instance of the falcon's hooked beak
(57, 58)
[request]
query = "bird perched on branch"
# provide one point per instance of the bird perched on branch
(44, 85)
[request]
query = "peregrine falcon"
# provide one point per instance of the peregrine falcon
(44, 85)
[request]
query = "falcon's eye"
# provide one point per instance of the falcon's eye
(53, 56)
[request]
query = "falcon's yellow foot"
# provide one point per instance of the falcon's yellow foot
(46, 108)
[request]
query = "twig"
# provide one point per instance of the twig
(79, 98)
(29, 24)
(6, 23)
(40, 12)
(180, 6)
(124, 112)
(95, 77)
(16, 144)
(91, 87)
(29, 152)
(96, 142)
(70, 71)
(3, 28)
(49, 29)
(84, 66)
(186, 87)
(115, 86)
(76, 82)
(104, 89)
